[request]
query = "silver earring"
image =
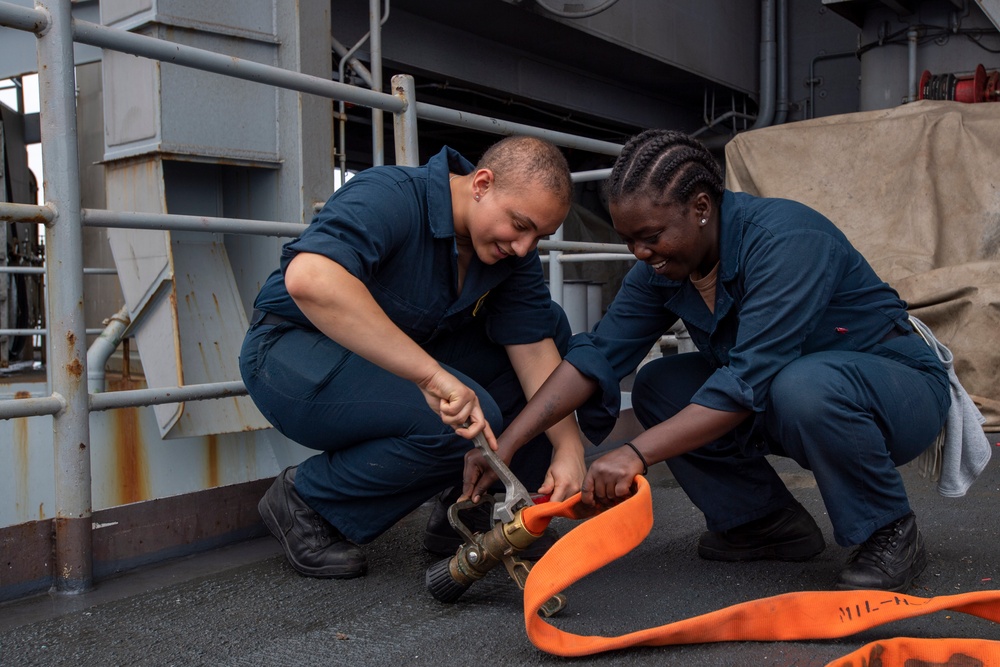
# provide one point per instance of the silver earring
(477, 197)
(704, 221)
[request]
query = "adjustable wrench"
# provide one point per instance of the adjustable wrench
(516, 497)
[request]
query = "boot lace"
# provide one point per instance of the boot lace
(880, 545)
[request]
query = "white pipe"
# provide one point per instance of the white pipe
(102, 349)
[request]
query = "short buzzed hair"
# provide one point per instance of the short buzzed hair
(517, 160)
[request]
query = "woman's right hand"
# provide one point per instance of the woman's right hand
(477, 476)
(457, 405)
(611, 478)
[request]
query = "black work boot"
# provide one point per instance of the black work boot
(443, 540)
(789, 533)
(889, 560)
(312, 545)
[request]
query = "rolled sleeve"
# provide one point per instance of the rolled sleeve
(725, 391)
(522, 327)
(597, 416)
(363, 223)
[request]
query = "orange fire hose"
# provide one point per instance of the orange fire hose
(792, 616)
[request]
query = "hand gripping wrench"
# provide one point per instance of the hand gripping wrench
(516, 497)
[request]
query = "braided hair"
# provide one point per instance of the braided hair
(667, 166)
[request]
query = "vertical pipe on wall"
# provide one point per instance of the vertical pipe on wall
(102, 349)
(768, 59)
(73, 566)
(781, 112)
(375, 44)
(911, 45)
(347, 58)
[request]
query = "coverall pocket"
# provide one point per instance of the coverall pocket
(296, 362)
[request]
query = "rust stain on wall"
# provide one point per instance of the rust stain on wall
(204, 359)
(131, 465)
(213, 461)
(21, 482)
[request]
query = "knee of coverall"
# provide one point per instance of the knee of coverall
(801, 396)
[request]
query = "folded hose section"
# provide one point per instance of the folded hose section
(791, 616)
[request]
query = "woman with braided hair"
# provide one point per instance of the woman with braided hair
(803, 352)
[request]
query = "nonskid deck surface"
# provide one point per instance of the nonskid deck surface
(244, 605)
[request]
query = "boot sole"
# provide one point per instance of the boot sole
(329, 572)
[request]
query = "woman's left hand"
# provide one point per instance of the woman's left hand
(610, 478)
(565, 474)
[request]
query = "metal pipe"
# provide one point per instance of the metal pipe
(591, 257)
(27, 213)
(102, 349)
(721, 119)
(171, 221)
(31, 407)
(358, 67)
(375, 48)
(73, 566)
(348, 57)
(23, 18)
(592, 175)
(24, 332)
(404, 125)
(140, 45)
(22, 269)
(209, 61)
(781, 113)
(448, 116)
(812, 76)
(768, 58)
(38, 270)
(93, 217)
(911, 50)
(581, 246)
(159, 395)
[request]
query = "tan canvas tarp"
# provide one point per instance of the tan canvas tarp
(917, 190)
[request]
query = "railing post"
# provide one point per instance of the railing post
(556, 269)
(404, 123)
(67, 352)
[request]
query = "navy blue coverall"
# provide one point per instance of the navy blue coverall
(383, 451)
(806, 336)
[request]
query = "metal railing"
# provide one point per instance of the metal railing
(69, 401)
